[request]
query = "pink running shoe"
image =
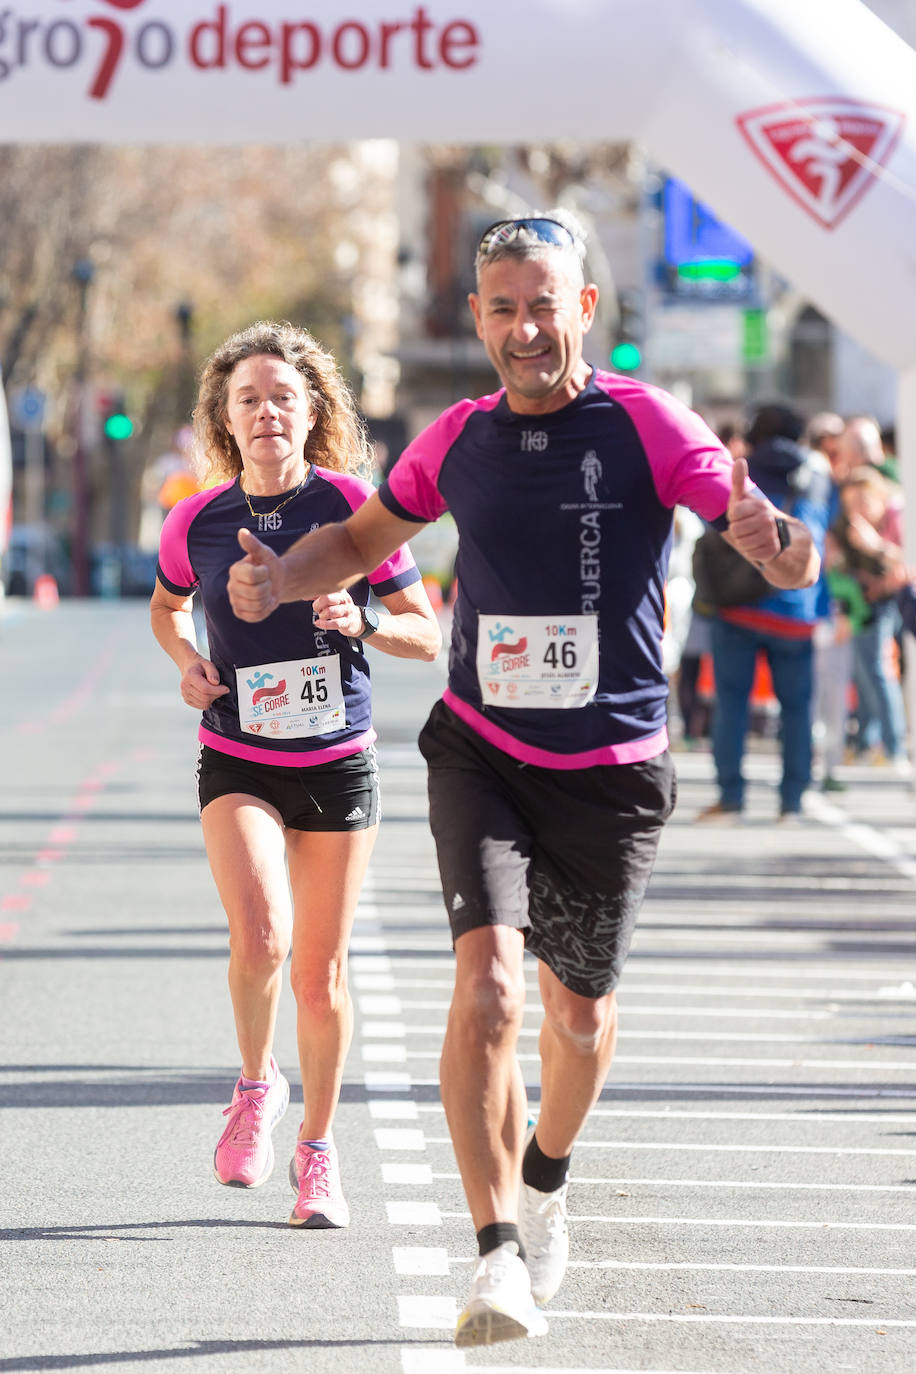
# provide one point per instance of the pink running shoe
(244, 1156)
(315, 1175)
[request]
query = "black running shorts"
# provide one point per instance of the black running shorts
(563, 855)
(340, 795)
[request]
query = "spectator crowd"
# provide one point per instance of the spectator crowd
(830, 657)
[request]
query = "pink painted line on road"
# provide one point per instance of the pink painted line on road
(49, 856)
(8, 932)
(15, 901)
(63, 834)
(80, 695)
(35, 878)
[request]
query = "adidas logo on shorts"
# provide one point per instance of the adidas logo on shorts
(457, 902)
(357, 814)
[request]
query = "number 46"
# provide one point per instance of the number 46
(560, 656)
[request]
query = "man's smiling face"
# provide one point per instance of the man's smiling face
(532, 315)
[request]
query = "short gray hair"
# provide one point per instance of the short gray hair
(525, 246)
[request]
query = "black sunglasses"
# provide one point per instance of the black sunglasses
(505, 230)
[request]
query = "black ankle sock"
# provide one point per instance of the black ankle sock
(497, 1233)
(540, 1171)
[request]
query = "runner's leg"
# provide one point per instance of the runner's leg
(577, 1042)
(482, 1087)
(245, 847)
(326, 870)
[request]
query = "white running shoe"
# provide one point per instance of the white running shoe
(500, 1307)
(543, 1224)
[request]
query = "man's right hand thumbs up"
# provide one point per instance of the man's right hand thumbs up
(255, 581)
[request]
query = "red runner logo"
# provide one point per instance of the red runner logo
(825, 150)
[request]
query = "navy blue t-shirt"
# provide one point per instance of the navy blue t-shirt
(199, 544)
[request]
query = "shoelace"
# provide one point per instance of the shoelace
(242, 1126)
(314, 1177)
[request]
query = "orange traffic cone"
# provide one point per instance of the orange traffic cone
(45, 593)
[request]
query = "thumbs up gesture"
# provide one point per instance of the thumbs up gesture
(255, 581)
(751, 518)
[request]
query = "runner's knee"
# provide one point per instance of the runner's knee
(584, 1023)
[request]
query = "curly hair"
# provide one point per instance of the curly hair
(338, 439)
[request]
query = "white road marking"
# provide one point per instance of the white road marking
(386, 1081)
(583, 1179)
(421, 1259)
(379, 1005)
(434, 1313)
(408, 1213)
(824, 1118)
(717, 1318)
(374, 982)
(384, 1054)
(704, 1148)
(614, 1220)
(382, 1030)
(686, 1267)
(872, 841)
(416, 1175)
(388, 1109)
(390, 1138)
(433, 1359)
(370, 963)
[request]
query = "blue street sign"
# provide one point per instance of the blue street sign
(27, 407)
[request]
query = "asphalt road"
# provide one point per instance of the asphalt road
(743, 1197)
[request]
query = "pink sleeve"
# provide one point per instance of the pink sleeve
(689, 466)
(400, 568)
(411, 488)
(175, 570)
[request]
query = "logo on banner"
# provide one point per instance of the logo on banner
(825, 151)
(284, 48)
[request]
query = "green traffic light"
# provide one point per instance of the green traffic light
(626, 357)
(119, 427)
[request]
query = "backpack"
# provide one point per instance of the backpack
(724, 577)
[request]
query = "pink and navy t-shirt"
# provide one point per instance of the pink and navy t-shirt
(198, 545)
(566, 514)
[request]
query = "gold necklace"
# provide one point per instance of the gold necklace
(266, 514)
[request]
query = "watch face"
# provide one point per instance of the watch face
(370, 621)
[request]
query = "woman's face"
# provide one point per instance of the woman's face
(268, 412)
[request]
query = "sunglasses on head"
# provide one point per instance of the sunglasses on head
(505, 230)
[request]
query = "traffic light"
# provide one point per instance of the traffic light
(626, 354)
(118, 425)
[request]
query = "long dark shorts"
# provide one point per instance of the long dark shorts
(563, 855)
(337, 796)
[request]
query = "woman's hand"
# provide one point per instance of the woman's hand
(200, 684)
(337, 611)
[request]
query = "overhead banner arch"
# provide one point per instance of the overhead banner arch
(795, 121)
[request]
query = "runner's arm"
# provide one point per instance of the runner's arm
(173, 626)
(411, 630)
(752, 531)
(329, 559)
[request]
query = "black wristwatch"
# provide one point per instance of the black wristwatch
(370, 622)
(783, 534)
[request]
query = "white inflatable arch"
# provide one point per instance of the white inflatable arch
(794, 119)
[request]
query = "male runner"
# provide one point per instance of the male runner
(549, 777)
